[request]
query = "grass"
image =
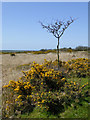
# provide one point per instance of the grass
(70, 112)
(83, 80)
(80, 112)
(24, 66)
(37, 113)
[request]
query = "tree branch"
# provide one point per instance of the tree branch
(58, 28)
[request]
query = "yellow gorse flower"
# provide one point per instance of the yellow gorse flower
(74, 83)
(42, 83)
(17, 89)
(7, 108)
(43, 101)
(49, 92)
(19, 96)
(5, 86)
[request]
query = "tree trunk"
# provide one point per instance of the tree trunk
(58, 53)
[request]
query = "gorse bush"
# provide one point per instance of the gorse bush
(42, 51)
(21, 96)
(45, 87)
(78, 67)
(40, 74)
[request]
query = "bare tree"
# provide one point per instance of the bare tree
(57, 29)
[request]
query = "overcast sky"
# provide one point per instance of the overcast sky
(21, 29)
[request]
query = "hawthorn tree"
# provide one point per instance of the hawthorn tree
(57, 29)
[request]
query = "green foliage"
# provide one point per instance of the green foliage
(81, 112)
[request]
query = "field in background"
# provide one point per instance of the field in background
(45, 51)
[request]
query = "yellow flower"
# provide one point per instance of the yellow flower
(30, 95)
(34, 62)
(11, 81)
(5, 86)
(63, 79)
(7, 102)
(42, 83)
(49, 92)
(82, 85)
(46, 74)
(26, 87)
(28, 83)
(16, 99)
(17, 89)
(34, 100)
(19, 96)
(87, 83)
(74, 83)
(43, 101)
(7, 108)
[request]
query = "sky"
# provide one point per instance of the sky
(21, 29)
(45, 0)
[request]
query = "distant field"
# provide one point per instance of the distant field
(44, 51)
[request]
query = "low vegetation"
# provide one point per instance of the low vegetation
(23, 66)
(45, 51)
(45, 92)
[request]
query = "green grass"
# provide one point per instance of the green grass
(37, 113)
(80, 112)
(82, 80)
(70, 112)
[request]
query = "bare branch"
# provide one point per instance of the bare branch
(58, 28)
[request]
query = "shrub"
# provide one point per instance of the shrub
(46, 88)
(69, 50)
(12, 54)
(21, 96)
(78, 67)
(41, 74)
